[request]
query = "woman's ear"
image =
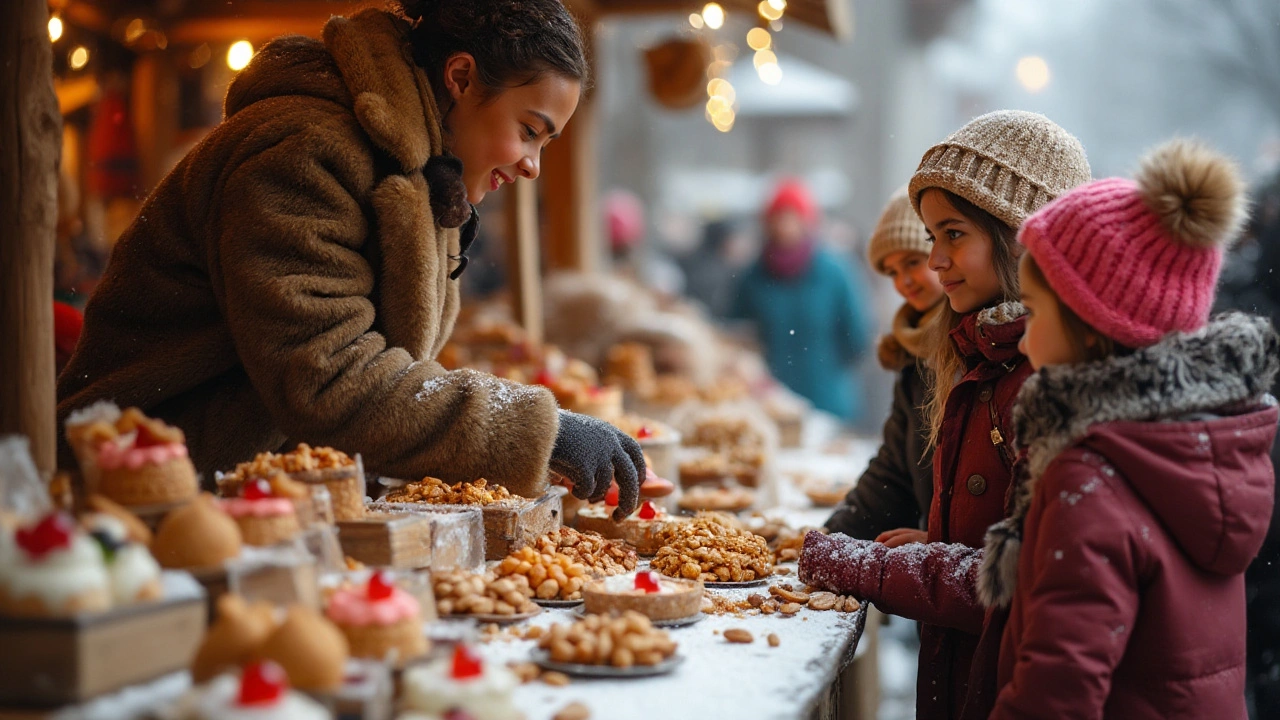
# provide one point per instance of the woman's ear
(459, 74)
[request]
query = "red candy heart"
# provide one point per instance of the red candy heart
(644, 433)
(53, 532)
(467, 663)
(648, 511)
(648, 582)
(262, 684)
(256, 489)
(611, 497)
(544, 378)
(380, 588)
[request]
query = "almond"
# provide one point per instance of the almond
(738, 635)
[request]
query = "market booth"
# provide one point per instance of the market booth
(313, 588)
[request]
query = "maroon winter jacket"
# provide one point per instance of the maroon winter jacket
(937, 583)
(1149, 491)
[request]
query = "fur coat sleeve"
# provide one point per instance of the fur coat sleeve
(340, 347)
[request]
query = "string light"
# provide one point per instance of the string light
(696, 21)
(759, 39)
(55, 28)
(1033, 73)
(779, 5)
(239, 55)
(713, 15)
(79, 57)
(764, 57)
(768, 11)
(770, 73)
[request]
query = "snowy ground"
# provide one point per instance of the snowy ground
(899, 652)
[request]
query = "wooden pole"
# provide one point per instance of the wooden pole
(523, 271)
(30, 144)
(569, 193)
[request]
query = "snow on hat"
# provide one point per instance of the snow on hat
(1137, 259)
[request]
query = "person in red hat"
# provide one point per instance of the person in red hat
(67, 323)
(809, 317)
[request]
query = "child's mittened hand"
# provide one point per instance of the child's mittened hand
(840, 564)
(902, 536)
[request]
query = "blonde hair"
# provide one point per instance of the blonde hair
(944, 358)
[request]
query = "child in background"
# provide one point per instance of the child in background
(1147, 431)
(890, 502)
(972, 191)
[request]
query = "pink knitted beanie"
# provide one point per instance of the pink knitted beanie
(1137, 259)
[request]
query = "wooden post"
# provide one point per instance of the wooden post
(523, 271)
(30, 143)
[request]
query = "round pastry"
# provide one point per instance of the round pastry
(234, 638)
(51, 569)
(133, 573)
(639, 530)
(646, 592)
(726, 499)
(146, 463)
(261, 692)
(463, 684)
(196, 535)
(312, 650)
(379, 620)
(264, 519)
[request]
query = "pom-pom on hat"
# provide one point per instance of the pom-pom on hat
(1137, 259)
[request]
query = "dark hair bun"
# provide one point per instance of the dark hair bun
(449, 205)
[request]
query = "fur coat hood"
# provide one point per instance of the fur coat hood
(1123, 406)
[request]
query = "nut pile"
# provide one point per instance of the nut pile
(788, 544)
(304, 458)
(553, 576)
(593, 551)
(463, 593)
(787, 600)
(622, 641)
(707, 550)
(437, 492)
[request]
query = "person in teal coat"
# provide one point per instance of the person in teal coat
(809, 317)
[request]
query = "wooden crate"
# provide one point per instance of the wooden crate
(395, 540)
(295, 583)
(62, 661)
(511, 526)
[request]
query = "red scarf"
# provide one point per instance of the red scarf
(789, 263)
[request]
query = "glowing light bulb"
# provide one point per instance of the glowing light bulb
(764, 57)
(79, 57)
(696, 21)
(768, 11)
(770, 73)
(713, 15)
(55, 28)
(239, 55)
(1033, 72)
(759, 39)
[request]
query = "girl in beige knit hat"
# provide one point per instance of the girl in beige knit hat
(890, 501)
(972, 190)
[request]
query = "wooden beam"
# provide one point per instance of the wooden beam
(524, 276)
(257, 22)
(569, 194)
(30, 144)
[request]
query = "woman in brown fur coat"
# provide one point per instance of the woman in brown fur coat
(294, 277)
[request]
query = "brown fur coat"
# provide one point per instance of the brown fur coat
(288, 282)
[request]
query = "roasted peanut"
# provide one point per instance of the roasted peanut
(558, 679)
(790, 608)
(774, 640)
(738, 635)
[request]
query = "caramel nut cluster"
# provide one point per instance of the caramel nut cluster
(621, 641)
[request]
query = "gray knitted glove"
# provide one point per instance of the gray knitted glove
(592, 453)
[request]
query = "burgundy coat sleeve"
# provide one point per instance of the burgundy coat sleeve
(935, 583)
(1079, 608)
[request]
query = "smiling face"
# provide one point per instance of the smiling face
(913, 279)
(962, 255)
(500, 137)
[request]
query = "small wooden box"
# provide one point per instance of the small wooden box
(400, 540)
(62, 661)
(296, 582)
(509, 526)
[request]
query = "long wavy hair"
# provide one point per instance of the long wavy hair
(944, 358)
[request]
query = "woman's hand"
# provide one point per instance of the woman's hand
(592, 454)
(902, 536)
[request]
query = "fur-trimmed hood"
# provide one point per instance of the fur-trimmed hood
(1132, 409)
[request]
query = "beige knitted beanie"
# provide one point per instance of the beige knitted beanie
(899, 229)
(1009, 163)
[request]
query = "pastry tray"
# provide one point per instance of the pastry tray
(559, 603)
(543, 659)
(494, 618)
(734, 585)
(665, 624)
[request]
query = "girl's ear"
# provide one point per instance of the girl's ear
(1090, 341)
(459, 74)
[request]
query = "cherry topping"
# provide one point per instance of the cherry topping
(262, 683)
(611, 497)
(380, 587)
(256, 489)
(648, 581)
(595, 391)
(146, 438)
(53, 532)
(648, 510)
(644, 433)
(544, 377)
(467, 663)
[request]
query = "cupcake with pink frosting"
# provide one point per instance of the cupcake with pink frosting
(264, 518)
(380, 620)
(133, 459)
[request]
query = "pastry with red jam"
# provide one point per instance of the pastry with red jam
(656, 596)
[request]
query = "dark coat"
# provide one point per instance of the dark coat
(936, 583)
(1149, 491)
(288, 281)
